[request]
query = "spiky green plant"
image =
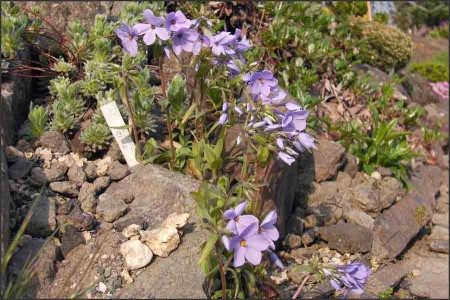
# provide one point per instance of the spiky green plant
(142, 113)
(38, 117)
(178, 96)
(96, 136)
(64, 67)
(63, 122)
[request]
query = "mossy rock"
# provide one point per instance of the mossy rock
(385, 47)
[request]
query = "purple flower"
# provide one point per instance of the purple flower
(352, 278)
(240, 44)
(224, 117)
(238, 222)
(167, 51)
(247, 246)
(203, 41)
(177, 20)
(184, 40)
(294, 120)
(262, 82)
(152, 29)
(220, 43)
(306, 140)
(275, 259)
(129, 37)
(268, 230)
(286, 158)
(276, 96)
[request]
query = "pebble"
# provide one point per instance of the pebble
(101, 287)
(415, 273)
(126, 276)
(376, 175)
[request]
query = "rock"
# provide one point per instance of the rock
(351, 166)
(390, 189)
(364, 196)
(157, 193)
(86, 236)
(45, 154)
(101, 287)
(15, 97)
(308, 237)
(76, 175)
(117, 171)
(176, 220)
(110, 209)
(136, 254)
(43, 219)
(439, 233)
(12, 154)
(385, 172)
(23, 146)
(126, 195)
(376, 175)
(45, 264)
(359, 178)
(102, 165)
(343, 181)
(295, 222)
(54, 141)
(322, 192)
(164, 277)
(65, 187)
(126, 276)
(293, 241)
(419, 89)
(403, 221)
(328, 158)
(161, 241)
(440, 246)
(388, 276)
(115, 153)
(296, 275)
(131, 230)
(87, 197)
(356, 216)
(312, 221)
(57, 172)
(91, 170)
(101, 183)
(20, 168)
(77, 218)
(38, 177)
(347, 238)
(433, 279)
(427, 180)
(70, 239)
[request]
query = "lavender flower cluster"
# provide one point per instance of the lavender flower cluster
(249, 238)
(349, 278)
(440, 89)
(286, 121)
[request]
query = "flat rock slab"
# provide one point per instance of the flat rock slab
(347, 237)
(178, 276)
(432, 281)
(157, 193)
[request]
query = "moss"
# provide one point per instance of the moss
(434, 72)
(385, 47)
(421, 214)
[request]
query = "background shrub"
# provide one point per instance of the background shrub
(386, 47)
(434, 72)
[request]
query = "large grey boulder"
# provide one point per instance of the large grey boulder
(43, 219)
(156, 193)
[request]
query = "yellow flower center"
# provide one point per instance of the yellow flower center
(261, 80)
(243, 243)
(130, 37)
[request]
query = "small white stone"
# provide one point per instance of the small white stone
(415, 273)
(136, 254)
(281, 279)
(325, 259)
(176, 220)
(86, 235)
(101, 287)
(46, 154)
(376, 175)
(102, 165)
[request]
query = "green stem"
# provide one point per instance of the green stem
(168, 121)
(221, 269)
(133, 123)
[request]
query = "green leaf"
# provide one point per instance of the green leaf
(209, 247)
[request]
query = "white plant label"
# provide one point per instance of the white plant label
(114, 119)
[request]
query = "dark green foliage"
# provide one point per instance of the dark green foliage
(38, 117)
